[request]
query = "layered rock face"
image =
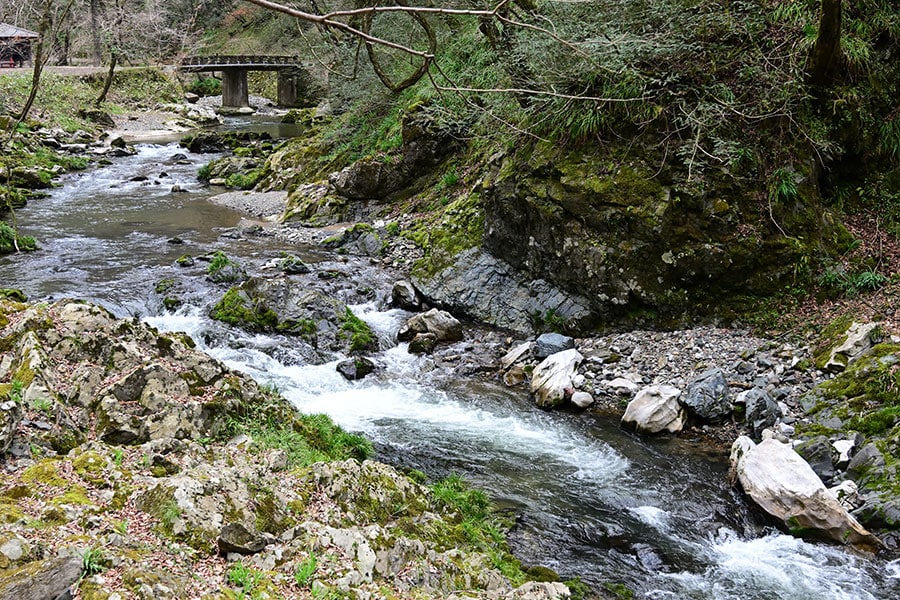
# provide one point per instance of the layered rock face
(628, 238)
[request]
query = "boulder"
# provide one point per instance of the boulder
(780, 482)
(355, 368)
(551, 343)
(553, 377)
(47, 579)
(359, 240)
(707, 396)
(761, 410)
(405, 296)
(856, 344)
(236, 537)
(444, 326)
(655, 409)
(480, 285)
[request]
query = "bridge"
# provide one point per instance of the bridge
(235, 94)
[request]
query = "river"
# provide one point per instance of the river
(591, 500)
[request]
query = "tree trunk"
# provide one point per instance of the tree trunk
(113, 59)
(39, 58)
(96, 46)
(825, 59)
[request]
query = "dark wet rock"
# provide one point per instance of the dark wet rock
(551, 343)
(203, 143)
(817, 452)
(488, 289)
(355, 368)
(707, 396)
(359, 240)
(761, 411)
(405, 296)
(292, 265)
(866, 465)
(236, 537)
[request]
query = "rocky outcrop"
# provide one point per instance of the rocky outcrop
(780, 482)
(157, 496)
(559, 216)
(488, 289)
(655, 409)
(277, 304)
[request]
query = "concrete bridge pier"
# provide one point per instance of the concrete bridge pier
(289, 88)
(235, 93)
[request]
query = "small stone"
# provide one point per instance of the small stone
(514, 376)
(423, 343)
(582, 399)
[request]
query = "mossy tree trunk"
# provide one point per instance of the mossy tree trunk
(825, 59)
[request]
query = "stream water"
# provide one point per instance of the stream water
(591, 500)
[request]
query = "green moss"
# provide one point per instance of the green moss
(834, 334)
(236, 308)
(448, 232)
(362, 338)
(44, 472)
(10, 512)
(76, 495)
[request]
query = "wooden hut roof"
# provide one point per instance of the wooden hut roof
(11, 31)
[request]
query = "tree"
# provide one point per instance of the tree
(826, 56)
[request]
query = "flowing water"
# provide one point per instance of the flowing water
(591, 500)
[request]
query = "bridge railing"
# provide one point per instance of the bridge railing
(238, 60)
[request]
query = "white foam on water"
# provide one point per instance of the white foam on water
(651, 515)
(773, 566)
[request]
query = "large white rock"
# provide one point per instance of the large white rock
(551, 378)
(784, 485)
(654, 409)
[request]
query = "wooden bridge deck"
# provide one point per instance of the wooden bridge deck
(193, 64)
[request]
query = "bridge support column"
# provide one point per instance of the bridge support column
(234, 89)
(288, 88)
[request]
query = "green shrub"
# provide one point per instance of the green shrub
(206, 86)
(11, 241)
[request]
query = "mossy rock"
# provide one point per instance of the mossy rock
(44, 473)
(834, 334)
